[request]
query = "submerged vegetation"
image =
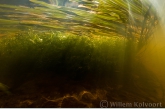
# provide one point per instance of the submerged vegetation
(132, 19)
(91, 42)
(62, 53)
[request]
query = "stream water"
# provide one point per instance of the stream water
(82, 53)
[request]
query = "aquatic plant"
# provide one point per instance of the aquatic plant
(4, 89)
(66, 54)
(133, 19)
(96, 39)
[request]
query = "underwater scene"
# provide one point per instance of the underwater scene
(82, 53)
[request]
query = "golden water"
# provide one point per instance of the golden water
(152, 56)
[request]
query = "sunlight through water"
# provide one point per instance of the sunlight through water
(153, 53)
(159, 6)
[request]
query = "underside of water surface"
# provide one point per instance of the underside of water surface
(82, 53)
